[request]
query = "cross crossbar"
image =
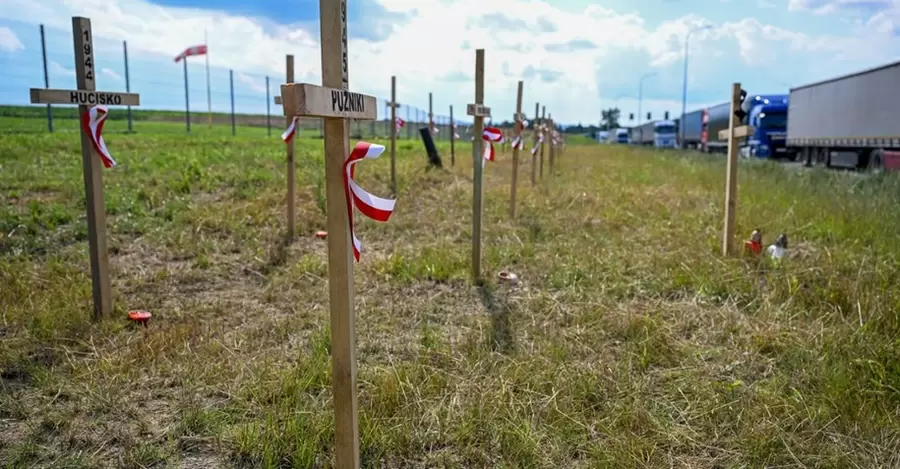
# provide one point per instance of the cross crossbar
(304, 99)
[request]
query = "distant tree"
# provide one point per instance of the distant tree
(610, 118)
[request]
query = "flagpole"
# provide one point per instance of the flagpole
(208, 92)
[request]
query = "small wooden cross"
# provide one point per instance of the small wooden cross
(393, 105)
(87, 97)
(518, 119)
(732, 134)
(546, 135)
(479, 111)
(452, 139)
(334, 102)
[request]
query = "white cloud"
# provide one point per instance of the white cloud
(574, 62)
(112, 74)
(9, 42)
(57, 69)
(255, 84)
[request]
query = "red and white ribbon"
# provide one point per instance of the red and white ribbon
(537, 144)
(455, 133)
(518, 144)
(399, 123)
(288, 134)
(491, 135)
(92, 123)
(370, 205)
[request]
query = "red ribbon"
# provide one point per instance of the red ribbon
(372, 206)
(92, 123)
(491, 135)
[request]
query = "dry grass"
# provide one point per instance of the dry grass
(629, 343)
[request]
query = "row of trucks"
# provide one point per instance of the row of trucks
(850, 121)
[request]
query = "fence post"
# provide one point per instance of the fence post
(187, 101)
(268, 110)
(231, 85)
(46, 79)
(408, 124)
(127, 83)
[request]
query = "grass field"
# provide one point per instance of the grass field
(629, 343)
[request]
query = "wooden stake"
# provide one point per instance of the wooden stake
(430, 116)
(537, 133)
(452, 139)
(86, 96)
(334, 102)
(518, 129)
(291, 165)
(479, 111)
(731, 175)
(546, 134)
(393, 105)
(552, 145)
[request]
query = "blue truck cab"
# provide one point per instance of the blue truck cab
(622, 136)
(768, 117)
(665, 134)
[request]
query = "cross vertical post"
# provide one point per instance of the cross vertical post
(518, 128)
(537, 136)
(393, 105)
(552, 126)
(86, 96)
(543, 130)
(452, 139)
(479, 112)
(291, 163)
(731, 172)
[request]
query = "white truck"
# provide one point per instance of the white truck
(665, 134)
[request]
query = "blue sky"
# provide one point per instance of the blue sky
(575, 56)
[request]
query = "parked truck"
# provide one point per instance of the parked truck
(665, 134)
(767, 115)
(622, 136)
(848, 121)
(642, 134)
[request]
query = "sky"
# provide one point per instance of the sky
(576, 57)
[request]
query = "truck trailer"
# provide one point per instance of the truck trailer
(642, 134)
(767, 115)
(849, 121)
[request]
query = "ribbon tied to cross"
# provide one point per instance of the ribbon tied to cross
(288, 134)
(92, 123)
(370, 205)
(491, 135)
(398, 123)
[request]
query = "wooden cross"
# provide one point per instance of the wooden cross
(537, 131)
(291, 166)
(452, 139)
(552, 128)
(546, 134)
(732, 133)
(86, 96)
(479, 112)
(334, 102)
(393, 105)
(518, 120)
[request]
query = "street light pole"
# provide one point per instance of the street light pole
(687, 40)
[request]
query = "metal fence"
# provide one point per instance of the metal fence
(235, 101)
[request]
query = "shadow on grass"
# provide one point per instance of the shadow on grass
(501, 335)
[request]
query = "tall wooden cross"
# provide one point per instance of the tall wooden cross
(479, 112)
(518, 128)
(732, 134)
(334, 102)
(87, 96)
(291, 165)
(393, 105)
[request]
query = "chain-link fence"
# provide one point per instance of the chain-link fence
(174, 98)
